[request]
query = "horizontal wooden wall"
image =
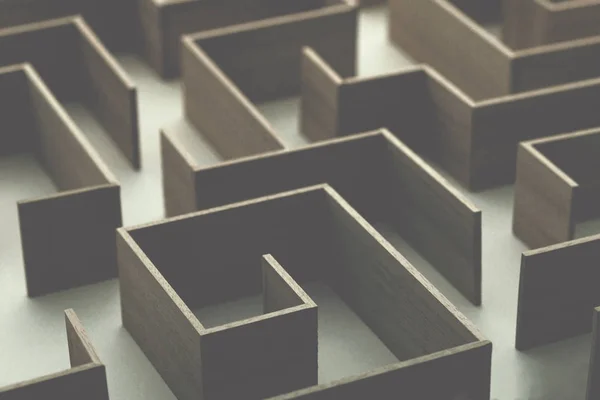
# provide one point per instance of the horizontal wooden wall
(110, 94)
(14, 112)
(86, 379)
(430, 214)
(68, 238)
(114, 21)
(593, 387)
(85, 72)
(165, 22)
(475, 141)
(364, 169)
(462, 372)
(483, 66)
(543, 200)
(223, 114)
(263, 58)
(557, 187)
(557, 292)
(269, 354)
(319, 97)
(479, 65)
(537, 22)
(318, 236)
(179, 188)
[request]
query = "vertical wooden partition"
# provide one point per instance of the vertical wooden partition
(86, 379)
(67, 238)
(317, 236)
(85, 73)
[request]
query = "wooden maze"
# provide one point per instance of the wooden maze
(390, 192)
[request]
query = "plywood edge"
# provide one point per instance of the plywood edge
(178, 183)
(569, 5)
(319, 97)
(214, 119)
(542, 201)
(443, 182)
(76, 381)
(112, 94)
(60, 112)
(87, 33)
(556, 292)
(371, 385)
(276, 153)
(123, 235)
(593, 384)
(348, 7)
(41, 25)
(81, 349)
(50, 377)
(418, 276)
(280, 290)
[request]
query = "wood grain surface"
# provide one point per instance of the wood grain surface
(533, 23)
(557, 187)
(557, 292)
(67, 238)
(85, 73)
(114, 21)
(475, 141)
(165, 22)
(378, 175)
(86, 379)
(483, 66)
(593, 387)
(317, 236)
(262, 62)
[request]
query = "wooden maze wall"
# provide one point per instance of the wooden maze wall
(441, 201)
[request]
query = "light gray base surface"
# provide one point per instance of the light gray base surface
(32, 338)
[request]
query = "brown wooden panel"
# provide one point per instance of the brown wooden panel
(398, 102)
(318, 236)
(499, 125)
(84, 73)
(113, 20)
(269, 354)
(178, 177)
(593, 387)
(19, 132)
(81, 350)
(61, 147)
(560, 188)
(458, 373)
(319, 97)
(110, 94)
(68, 239)
(364, 169)
(573, 20)
(220, 111)
(479, 65)
(543, 201)
(263, 59)
(533, 23)
(430, 214)
(555, 64)
(190, 16)
(85, 380)
(557, 292)
(280, 291)
(261, 358)
(159, 322)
